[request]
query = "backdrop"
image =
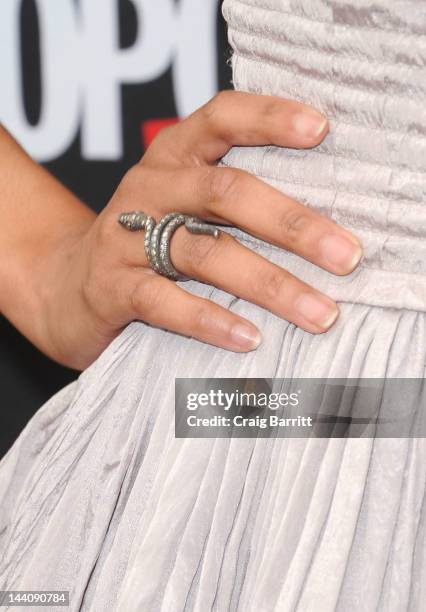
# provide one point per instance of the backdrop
(85, 85)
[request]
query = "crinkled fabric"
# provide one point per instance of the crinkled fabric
(99, 497)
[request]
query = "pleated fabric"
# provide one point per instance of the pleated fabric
(97, 495)
(99, 498)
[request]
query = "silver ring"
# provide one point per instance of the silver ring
(158, 237)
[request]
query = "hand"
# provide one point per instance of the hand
(107, 282)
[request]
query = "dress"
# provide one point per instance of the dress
(99, 497)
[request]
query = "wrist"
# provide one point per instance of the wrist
(40, 287)
(61, 310)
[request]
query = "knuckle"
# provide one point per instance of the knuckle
(139, 189)
(135, 179)
(272, 285)
(146, 297)
(199, 251)
(222, 186)
(202, 318)
(215, 112)
(107, 229)
(293, 223)
(90, 288)
(273, 108)
(166, 134)
(215, 107)
(98, 287)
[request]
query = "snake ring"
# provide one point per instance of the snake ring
(158, 237)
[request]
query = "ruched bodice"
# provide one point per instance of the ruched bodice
(364, 65)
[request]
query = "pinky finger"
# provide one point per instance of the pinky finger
(162, 303)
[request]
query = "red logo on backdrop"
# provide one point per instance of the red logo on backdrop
(150, 129)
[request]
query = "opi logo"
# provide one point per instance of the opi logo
(83, 68)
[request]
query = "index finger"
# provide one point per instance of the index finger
(241, 119)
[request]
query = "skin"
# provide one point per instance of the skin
(71, 280)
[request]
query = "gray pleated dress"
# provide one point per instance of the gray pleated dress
(97, 495)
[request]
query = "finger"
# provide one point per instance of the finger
(160, 302)
(238, 118)
(229, 265)
(235, 197)
(263, 211)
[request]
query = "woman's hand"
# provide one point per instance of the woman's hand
(109, 283)
(99, 280)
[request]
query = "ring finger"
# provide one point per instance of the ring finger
(235, 197)
(229, 265)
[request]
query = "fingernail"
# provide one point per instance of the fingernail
(317, 309)
(246, 336)
(341, 252)
(310, 123)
